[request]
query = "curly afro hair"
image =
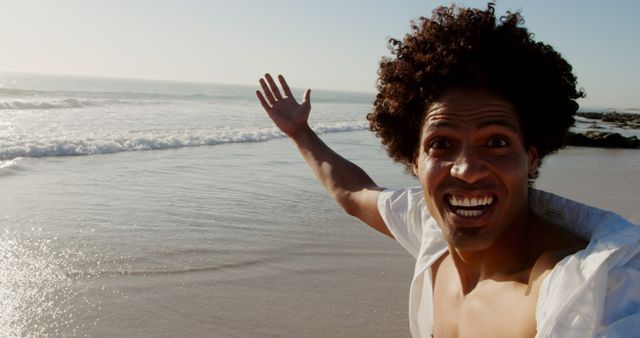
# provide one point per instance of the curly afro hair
(460, 48)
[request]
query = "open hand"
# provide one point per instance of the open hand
(287, 114)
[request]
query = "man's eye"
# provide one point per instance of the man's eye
(497, 142)
(439, 144)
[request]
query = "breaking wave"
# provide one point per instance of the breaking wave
(68, 103)
(23, 99)
(153, 140)
(53, 104)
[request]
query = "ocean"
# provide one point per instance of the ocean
(146, 208)
(162, 209)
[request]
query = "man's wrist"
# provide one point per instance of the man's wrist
(302, 133)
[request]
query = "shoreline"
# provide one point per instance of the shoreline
(604, 130)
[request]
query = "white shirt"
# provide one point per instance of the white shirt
(592, 293)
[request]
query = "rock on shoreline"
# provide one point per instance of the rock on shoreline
(602, 139)
(606, 139)
(621, 120)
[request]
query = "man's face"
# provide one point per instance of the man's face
(473, 167)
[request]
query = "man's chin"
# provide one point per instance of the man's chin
(469, 239)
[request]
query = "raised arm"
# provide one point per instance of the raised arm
(349, 185)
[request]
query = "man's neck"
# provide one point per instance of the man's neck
(508, 256)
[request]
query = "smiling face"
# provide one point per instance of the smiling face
(474, 168)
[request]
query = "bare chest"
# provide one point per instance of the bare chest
(492, 309)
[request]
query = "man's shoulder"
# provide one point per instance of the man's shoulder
(548, 245)
(581, 279)
(547, 261)
(405, 196)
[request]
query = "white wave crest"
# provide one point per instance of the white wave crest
(10, 163)
(154, 140)
(70, 103)
(53, 104)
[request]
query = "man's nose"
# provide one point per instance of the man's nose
(469, 166)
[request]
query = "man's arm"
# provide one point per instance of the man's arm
(349, 185)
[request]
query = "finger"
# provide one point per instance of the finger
(274, 87)
(285, 86)
(263, 102)
(307, 97)
(267, 92)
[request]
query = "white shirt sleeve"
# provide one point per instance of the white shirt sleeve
(594, 292)
(621, 315)
(402, 212)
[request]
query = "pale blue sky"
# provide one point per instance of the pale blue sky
(328, 44)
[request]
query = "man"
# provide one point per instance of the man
(471, 107)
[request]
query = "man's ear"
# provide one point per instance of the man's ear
(414, 167)
(534, 161)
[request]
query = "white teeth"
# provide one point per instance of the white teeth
(470, 202)
(468, 213)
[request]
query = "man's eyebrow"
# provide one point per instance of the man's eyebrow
(507, 123)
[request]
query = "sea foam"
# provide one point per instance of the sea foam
(70, 103)
(53, 104)
(79, 145)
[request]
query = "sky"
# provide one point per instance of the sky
(328, 44)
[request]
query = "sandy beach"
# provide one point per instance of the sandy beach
(318, 273)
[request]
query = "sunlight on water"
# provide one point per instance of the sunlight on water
(37, 295)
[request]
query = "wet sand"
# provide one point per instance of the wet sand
(276, 259)
(357, 287)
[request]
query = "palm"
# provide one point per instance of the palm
(287, 114)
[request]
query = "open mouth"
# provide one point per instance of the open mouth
(469, 207)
